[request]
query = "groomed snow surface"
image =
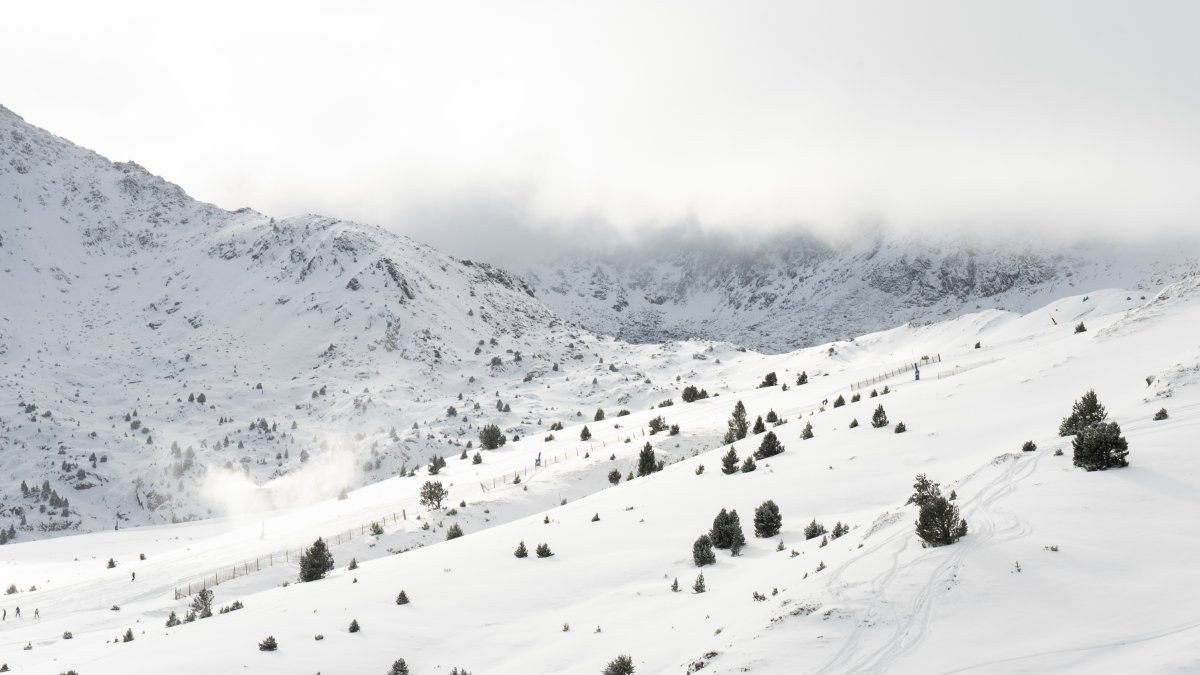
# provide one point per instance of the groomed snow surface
(1119, 595)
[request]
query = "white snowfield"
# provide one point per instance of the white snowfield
(163, 360)
(1062, 570)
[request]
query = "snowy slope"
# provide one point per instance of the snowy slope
(797, 291)
(1106, 579)
(125, 300)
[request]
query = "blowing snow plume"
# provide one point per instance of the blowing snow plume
(229, 492)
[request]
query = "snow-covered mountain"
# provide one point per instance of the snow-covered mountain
(792, 292)
(162, 359)
(149, 342)
(1062, 570)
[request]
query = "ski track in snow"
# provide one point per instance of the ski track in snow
(411, 332)
(988, 523)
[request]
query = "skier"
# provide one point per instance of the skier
(133, 576)
(35, 613)
(18, 612)
(5, 616)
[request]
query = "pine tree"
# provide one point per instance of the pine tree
(769, 447)
(622, 665)
(737, 423)
(432, 493)
(599, 416)
(924, 491)
(879, 418)
(698, 586)
(772, 417)
(585, 434)
(268, 645)
(454, 532)
(767, 519)
(402, 599)
(128, 637)
(354, 625)
(1160, 415)
(939, 523)
(436, 464)
(614, 476)
(802, 379)
(1080, 328)
(749, 465)
(900, 428)
(1098, 447)
(543, 551)
(203, 600)
(807, 433)
(719, 534)
(759, 427)
(646, 462)
(727, 531)
(839, 401)
(316, 561)
(490, 437)
(856, 398)
(702, 551)
(814, 530)
(769, 381)
(399, 667)
(854, 423)
(1084, 412)
(675, 585)
(729, 462)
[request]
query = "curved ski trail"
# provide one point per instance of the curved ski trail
(911, 617)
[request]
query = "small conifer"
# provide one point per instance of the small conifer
(879, 418)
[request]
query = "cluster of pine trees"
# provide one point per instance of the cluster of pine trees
(1098, 444)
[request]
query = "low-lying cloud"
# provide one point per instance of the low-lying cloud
(484, 127)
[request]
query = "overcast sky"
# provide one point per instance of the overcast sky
(470, 125)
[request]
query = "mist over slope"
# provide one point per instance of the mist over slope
(152, 346)
(792, 291)
(1052, 575)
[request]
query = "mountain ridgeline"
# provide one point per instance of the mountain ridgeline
(796, 291)
(153, 346)
(148, 339)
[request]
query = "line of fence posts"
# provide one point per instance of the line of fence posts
(284, 556)
(892, 373)
(346, 535)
